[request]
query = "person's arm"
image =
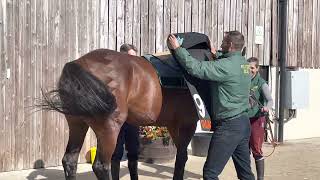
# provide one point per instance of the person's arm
(208, 70)
(267, 94)
(216, 53)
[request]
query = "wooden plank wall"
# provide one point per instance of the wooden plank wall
(37, 37)
(303, 33)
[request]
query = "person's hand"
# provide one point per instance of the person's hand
(265, 109)
(172, 42)
(213, 50)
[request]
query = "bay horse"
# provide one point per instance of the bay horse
(103, 89)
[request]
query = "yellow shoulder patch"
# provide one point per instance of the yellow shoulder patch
(254, 88)
(245, 68)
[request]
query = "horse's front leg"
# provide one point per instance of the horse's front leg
(77, 133)
(181, 138)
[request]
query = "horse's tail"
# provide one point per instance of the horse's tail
(79, 93)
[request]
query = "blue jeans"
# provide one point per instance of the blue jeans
(128, 135)
(230, 138)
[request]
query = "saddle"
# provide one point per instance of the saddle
(169, 71)
(172, 75)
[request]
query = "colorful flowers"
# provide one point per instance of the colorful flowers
(150, 133)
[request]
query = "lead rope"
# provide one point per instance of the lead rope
(268, 127)
(270, 137)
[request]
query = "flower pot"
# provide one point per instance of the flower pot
(158, 151)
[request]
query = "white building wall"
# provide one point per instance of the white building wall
(307, 121)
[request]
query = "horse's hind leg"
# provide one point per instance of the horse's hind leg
(107, 132)
(181, 137)
(77, 133)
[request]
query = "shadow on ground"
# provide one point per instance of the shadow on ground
(156, 171)
(164, 172)
(54, 174)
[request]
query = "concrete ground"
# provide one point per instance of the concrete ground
(294, 160)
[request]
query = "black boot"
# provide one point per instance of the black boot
(133, 169)
(115, 169)
(260, 169)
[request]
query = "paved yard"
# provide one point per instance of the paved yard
(294, 160)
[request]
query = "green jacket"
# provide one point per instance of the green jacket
(256, 89)
(231, 81)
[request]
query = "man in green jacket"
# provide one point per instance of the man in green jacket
(230, 75)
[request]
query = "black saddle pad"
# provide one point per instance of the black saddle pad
(169, 71)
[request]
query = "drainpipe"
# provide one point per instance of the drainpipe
(282, 39)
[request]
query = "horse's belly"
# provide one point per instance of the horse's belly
(142, 118)
(176, 106)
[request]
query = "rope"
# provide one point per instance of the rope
(268, 124)
(272, 141)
